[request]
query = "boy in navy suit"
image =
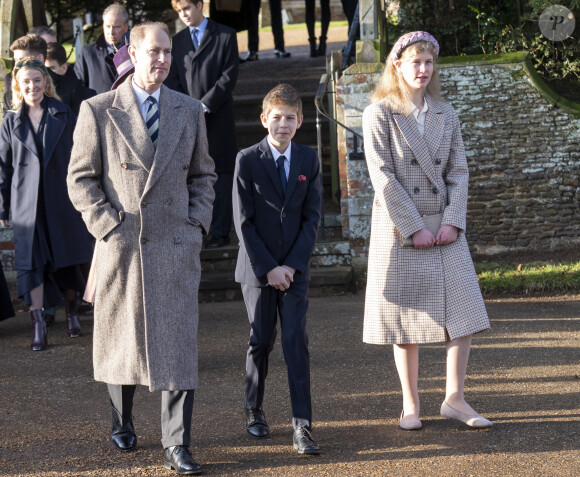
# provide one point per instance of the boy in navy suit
(276, 204)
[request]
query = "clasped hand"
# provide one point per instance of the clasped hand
(281, 277)
(424, 238)
(4, 223)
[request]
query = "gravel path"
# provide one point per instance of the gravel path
(524, 375)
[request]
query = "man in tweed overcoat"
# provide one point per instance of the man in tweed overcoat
(148, 207)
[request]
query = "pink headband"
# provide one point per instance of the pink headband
(410, 38)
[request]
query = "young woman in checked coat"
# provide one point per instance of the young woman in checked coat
(428, 291)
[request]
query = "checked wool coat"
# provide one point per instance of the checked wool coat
(146, 208)
(416, 296)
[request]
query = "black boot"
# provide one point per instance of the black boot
(313, 50)
(322, 47)
(72, 318)
(39, 340)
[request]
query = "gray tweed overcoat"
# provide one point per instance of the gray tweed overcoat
(146, 208)
(416, 296)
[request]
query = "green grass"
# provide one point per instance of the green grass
(535, 277)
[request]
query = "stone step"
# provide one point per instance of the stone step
(248, 107)
(221, 286)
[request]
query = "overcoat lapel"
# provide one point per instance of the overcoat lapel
(268, 162)
(295, 168)
(408, 127)
(434, 127)
(24, 134)
(126, 117)
(172, 120)
(53, 130)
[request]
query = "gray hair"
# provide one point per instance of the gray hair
(117, 8)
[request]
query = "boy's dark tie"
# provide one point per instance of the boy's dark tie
(282, 172)
(152, 120)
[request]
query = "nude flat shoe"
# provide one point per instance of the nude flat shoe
(473, 420)
(409, 423)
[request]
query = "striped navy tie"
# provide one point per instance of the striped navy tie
(152, 120)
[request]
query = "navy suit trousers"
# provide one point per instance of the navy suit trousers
(263, 305)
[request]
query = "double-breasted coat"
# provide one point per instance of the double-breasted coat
(417, 296)
(146, 207)
(20, 176)
(210, 74)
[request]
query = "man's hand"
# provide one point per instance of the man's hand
(423, 239)
(280, 278)
(4, 223)
(447, 234)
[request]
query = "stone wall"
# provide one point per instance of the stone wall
(523, 154)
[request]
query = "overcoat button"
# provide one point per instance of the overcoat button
(280, 242)
(144, 240)
(416, 190)
(437, 161)
(176, 240)
(168, 201)
(283, 214)
(144, 204)
(124, 165)
(414, 162)
(435, 191)
(185, 167)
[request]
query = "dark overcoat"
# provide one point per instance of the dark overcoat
(418, 296)
(20, 174)
(210, 74)
(93, 68)
(147, 208)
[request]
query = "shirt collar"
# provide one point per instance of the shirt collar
(416, 111)
(201, 28)
(276, 153)
(142, 95)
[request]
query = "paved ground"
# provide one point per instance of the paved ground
(524, 375)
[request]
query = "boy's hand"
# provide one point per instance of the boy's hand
(280, 278)
(290, 269)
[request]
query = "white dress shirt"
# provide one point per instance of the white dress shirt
(142, 96)
(277, 154)
(420, 117)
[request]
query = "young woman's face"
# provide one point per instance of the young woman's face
(32, 84)
(416, 70)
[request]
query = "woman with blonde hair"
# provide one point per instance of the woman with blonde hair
(421, 286)
(52, 246)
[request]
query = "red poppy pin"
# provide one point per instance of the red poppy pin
(301, 178)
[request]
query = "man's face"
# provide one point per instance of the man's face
(281, 122)
(152, 59)
(190, 13)
(48, 38)
(54, 66)
(19, 54)
(114, 28)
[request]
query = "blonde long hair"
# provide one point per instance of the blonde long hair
(392, 86)
(30, 63)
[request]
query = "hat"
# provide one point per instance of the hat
(123, 64)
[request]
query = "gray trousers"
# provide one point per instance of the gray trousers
(176, 412)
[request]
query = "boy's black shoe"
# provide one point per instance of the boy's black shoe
(304, 443)
(256, 424)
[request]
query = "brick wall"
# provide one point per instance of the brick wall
(523, 155)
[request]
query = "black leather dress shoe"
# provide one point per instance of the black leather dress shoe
(179, 458)
(304, 443)
(256, 424)
(216, 242)
(123, 436)
(249, 56)
(282, 54)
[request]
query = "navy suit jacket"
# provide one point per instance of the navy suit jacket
(275, 230)
(210, 74)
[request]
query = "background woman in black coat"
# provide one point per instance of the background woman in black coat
(51, 244)
(6, 308)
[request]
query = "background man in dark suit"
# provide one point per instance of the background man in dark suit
(276, 212)
(141, 176)
(94, 65)
(205, 66)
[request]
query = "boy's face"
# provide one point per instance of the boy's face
(54, 66)
(281, 122)
(190, 13)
